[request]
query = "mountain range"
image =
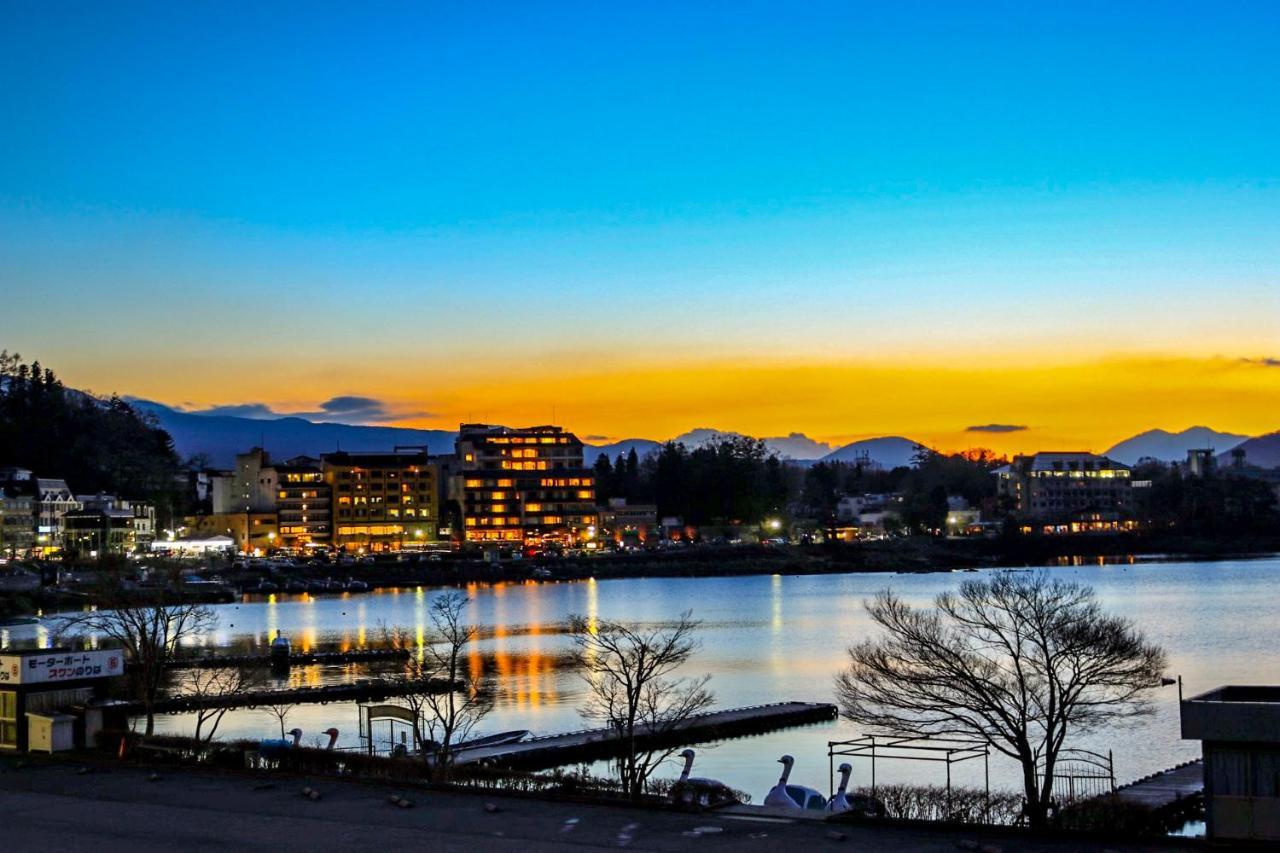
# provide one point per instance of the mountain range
(219, 437)
(1172, 446)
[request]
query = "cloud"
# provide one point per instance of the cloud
(996, 428)
(595, 438)
(239, 410)
(351, 408)
(1270, 361)
(345, 408)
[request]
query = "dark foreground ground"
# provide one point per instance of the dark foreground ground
(54, 806)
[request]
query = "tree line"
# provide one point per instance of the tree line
(96, 444)
(737, 480)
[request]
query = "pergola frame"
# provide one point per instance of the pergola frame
(948, 751)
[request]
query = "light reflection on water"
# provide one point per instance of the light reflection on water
(764, 639)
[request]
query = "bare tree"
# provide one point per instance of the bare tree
(449, 699)
(633, 690)
(213, 683)
(1017, 661)
(149, 623)
(280, 710)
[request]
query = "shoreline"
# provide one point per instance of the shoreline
(917, 555)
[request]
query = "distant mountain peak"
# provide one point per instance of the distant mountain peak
(889, 451)
(1172, 446)
(221, 437)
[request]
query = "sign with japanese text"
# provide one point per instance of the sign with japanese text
(51, 667)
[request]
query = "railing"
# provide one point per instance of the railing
(1079, 774)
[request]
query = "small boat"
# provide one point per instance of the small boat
(266, 586)
(354, 585)
(500, 739)
(295, 587)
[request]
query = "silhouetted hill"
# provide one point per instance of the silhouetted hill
(1263, 451)
(221, 437)
(796, 445)
(889, 451)
(642, 446)
(1172, 446)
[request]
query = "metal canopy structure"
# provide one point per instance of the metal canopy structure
(947, 751)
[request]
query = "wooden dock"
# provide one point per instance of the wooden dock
(557, 750)
(1166, 789)
(366, 690)
(295, 659)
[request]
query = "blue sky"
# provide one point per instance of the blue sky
(625, 184)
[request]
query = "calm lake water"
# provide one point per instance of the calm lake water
(765, 639)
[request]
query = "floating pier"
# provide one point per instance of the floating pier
(367, 690)
(294, 659)
(1167, 788)
(557, 750)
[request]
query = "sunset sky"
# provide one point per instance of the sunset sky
(838, 219)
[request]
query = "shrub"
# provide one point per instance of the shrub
(932, 803)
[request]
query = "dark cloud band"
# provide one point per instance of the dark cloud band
(996, 428)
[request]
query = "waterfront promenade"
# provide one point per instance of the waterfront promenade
(50, 804)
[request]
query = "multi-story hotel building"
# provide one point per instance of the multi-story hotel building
(382, 501)
(524, 485)
(303, 503)
(1090, 490)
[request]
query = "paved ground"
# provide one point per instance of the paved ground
(52, 805)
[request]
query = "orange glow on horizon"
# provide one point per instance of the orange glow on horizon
(1086, 404)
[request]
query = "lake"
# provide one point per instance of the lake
(763, 639)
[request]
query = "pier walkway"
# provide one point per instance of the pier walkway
(366, 690)
(1167, 788)
(557, 750)
(294, 659)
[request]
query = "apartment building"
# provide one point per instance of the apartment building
(303, 503)
(1081, 488)
(524, 486)
(381, 501)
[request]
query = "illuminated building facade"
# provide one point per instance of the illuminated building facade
(628, 524)
(303, 503)
(1080, 492)
(109, 525)
(251, 532)
(524, 485)
(384, 501)
(17, 522)
(251, 487)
